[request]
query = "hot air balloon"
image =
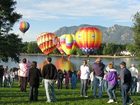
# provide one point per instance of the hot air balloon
(68, 43)
(24, 26)
(88, 39)
(59, 47)
(47, 42)
(63, 64)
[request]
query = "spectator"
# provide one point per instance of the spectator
(126, 79)
(34, 75)
(84, 70)
(1, 75)
(134, 73)
(111, 78)
(98, 69)
(49, 73)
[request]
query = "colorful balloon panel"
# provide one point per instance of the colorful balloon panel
(59, 47)
(63, 64)
(47, 42)
(88, 39)
(24, 26)
(68, 43)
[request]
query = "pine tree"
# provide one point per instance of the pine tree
(9, 42)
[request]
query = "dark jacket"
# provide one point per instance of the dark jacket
(1, 71)
(49, 71)
(34, 75)
(125, 76)
(60, 75)
(98, 69)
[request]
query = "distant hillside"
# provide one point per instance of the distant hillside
(116, 34)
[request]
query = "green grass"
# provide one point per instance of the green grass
(12, 96)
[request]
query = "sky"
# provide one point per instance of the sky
(50, 15)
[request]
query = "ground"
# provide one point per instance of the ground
(12, 96)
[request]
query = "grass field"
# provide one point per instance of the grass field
(12, 96)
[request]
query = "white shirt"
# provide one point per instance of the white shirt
(84, 72)
(91, 76)
(134, 72)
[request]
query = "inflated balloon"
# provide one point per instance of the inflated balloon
(63, 64)
(24, 26)
(59, 47)
(47, 42)
(68, 43)
(88, 39)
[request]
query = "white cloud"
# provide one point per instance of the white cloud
(56, 9)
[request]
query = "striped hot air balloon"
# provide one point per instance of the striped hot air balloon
(24, 26)
(68, 43)
(88, 39)
(47, 42)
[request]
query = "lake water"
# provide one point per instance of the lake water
(77, 61)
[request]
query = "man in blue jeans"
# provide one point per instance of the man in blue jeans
(126, 79)
(49, 74)
(98, 69)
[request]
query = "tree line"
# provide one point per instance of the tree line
(105, 49)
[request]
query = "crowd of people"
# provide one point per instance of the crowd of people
(100, 76)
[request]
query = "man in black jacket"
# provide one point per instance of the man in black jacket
(126, 79)
(49, 74)
(33, 79)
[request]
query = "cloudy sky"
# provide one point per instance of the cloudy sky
(50, 15)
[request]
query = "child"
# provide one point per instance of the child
(34, 75)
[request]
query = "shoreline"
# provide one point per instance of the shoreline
(81, 56)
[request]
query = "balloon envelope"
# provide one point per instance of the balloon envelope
(88, 39)
(24, 26)
(59, 47)
(68, 43)
(63, 64)
(47, 42)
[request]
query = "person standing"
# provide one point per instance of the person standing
(1, 75)
(34, 75)
(23, 74)
(126, 79)
(73, 79)
(134, 73)
(84, 70)
(98, 69)
(49, 74)
(60, 77)
(111, 78)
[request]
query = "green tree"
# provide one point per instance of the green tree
(32, 47)
(9, 42)
(136, 30)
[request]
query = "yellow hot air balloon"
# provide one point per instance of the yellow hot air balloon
(68, 43)
(88, 39)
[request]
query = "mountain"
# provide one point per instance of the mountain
(116, 34)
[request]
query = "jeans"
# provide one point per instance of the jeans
(33, 93)
(23, 84)
(97, 83)
(59, 84)
(104, 85)
(124, 90)
(133, 85)
(49, 87)
(84, 87)
(111, 92)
